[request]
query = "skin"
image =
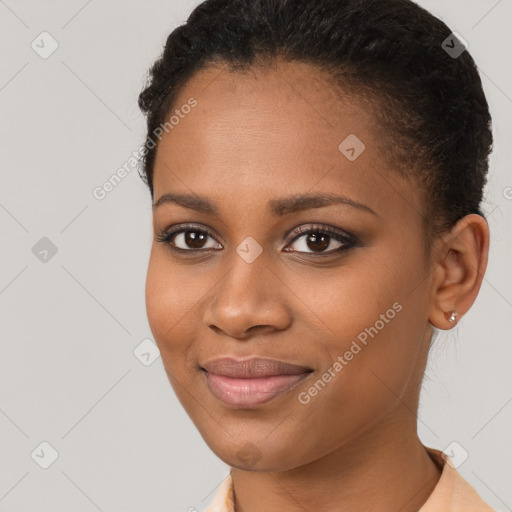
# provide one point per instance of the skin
(269, 134)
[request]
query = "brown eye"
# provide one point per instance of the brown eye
(316, 242)
(320, 240)
(191, 240)
(195, 239)
(188, 240)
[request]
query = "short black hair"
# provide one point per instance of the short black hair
(429, 104)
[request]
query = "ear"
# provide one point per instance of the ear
(459, 264)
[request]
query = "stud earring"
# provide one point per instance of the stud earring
(453, 315)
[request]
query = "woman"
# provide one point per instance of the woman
(316, 169)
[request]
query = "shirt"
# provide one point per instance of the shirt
(451, 494)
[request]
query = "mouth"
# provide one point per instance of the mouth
(250, 383)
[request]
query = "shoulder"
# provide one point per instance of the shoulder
(452, 493)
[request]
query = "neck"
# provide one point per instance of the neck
(386, 469)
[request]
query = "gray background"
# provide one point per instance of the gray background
(70, 324)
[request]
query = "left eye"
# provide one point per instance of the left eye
(319, 240)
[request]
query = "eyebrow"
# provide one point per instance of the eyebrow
(277, 207)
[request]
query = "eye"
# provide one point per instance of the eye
(318, 238)
(188, 239)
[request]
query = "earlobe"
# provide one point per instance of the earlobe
(459, 266)
(453, 316)
(444, 320)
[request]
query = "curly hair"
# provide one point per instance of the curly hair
(429, 106)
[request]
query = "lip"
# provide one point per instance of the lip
(249, 383)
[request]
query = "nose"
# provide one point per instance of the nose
(250, 299)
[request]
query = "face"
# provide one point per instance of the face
(331, 294)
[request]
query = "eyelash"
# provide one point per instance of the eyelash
(346, 239)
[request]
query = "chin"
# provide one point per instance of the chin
(256, 455)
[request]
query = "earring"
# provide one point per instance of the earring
(452, 317)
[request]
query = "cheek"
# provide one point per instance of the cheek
(169, 303)
(174, 299)
(159, 310)
(370, 380)
(348, 302)
(169, 308)
(374, 323)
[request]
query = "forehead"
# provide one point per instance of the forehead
(285, 104)
(269, 130)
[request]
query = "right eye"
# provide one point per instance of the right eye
(187, 239)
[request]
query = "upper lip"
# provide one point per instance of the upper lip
(252, 368)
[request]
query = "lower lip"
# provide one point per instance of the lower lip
(249, 393)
